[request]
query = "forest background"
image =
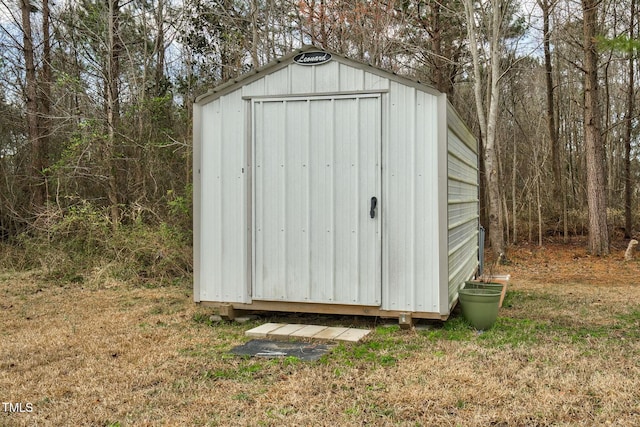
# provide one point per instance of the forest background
(96, 111)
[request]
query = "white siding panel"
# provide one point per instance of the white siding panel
(332, 77)
(462, 271)
(297, 202)
(351, 79)
(410, 202)
(234, 197)
(277, 83)
(461, 191)
(327, 77)
(211, 214)
(462, 151)
(376, 82)
(461, 212)
(463, 203)
(224, 250)
(426, 204)
(301, 78)
(322, 202)
(269, 213)
(398, 213)
(459, 234)
(256, 88)
(461, 170)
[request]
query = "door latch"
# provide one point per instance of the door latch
(374, 203)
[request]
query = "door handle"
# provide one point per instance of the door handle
(374, 203)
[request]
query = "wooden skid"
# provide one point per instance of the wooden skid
(344, 309)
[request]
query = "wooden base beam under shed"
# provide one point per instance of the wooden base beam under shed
(344, 309)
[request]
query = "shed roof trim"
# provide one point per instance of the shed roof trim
(288, 59)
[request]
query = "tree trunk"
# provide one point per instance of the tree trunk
(530, 217)
(551, 117)
(628, 182)
(160, 51)
(36, 185)
(594, 149)
(45, 91)
(254, 34)
(488, 122)
(441, 69)
(113, 106)
(539, 203)
(514, 214)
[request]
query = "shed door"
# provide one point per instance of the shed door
(316, 170)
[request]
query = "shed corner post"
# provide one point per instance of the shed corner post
(443, 200)
(197, 197)
(249, 187)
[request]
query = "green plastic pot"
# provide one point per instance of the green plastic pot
(483, 285)
(480, 306)
(473, 284)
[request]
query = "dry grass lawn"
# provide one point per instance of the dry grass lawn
(565, 351)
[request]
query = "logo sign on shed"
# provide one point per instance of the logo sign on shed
(312, 58)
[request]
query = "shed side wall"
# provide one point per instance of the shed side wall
(462, 204)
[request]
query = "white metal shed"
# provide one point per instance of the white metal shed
(325, 185)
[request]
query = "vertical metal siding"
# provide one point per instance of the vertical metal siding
(398, 218)
(275, 83)
(351, 78)
(410, 240)
(301, 79)
(223, 209)
(267, 169)
(298, 179)
(211, 191)
(328, 78)
(427, 214)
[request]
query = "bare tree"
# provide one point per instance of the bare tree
(552, 128)
(430, 32)
(36, 186)
(488, 119)
(628, 181)
(112, 91)
(44, 83)
(594, 148)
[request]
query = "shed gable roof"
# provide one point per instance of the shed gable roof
(288, 59)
